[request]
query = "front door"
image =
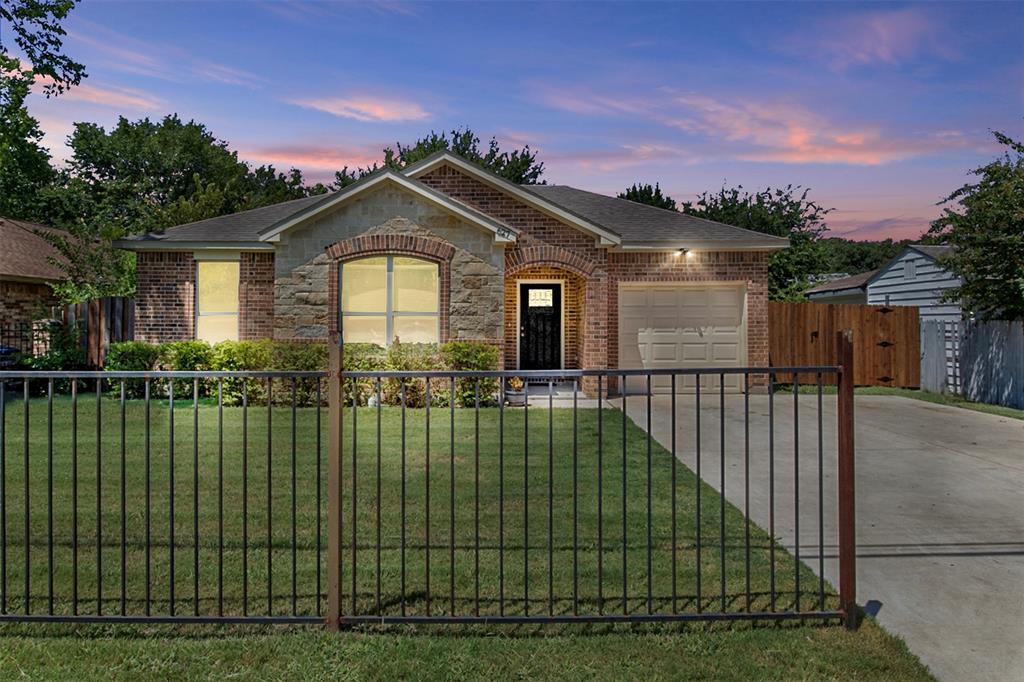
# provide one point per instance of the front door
(540, 326)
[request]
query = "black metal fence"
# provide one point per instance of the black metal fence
(28, 338)
(420, 497)
(170, 496)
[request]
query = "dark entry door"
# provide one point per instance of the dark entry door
(540, 326)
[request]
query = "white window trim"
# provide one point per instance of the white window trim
(519, 318)
(389, 313)
(218, 258)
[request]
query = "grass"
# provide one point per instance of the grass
(525, 538)
(927, 396)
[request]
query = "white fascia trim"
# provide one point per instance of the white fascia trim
(501, 232)
(605, 237)
(148, 245)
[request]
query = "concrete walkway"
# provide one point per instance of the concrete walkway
(940, 512)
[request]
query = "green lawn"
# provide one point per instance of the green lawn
(526, 547)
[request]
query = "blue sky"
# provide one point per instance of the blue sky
(879, 108)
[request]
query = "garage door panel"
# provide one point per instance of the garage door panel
(666, 326)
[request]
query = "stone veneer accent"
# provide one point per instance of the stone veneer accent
(473, 283)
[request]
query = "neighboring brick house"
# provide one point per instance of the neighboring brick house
(556, 277)
(25, 277)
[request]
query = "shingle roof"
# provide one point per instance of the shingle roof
(640, 223)
(636, 224)
(244, 226)
(24, 253)
(852, 282)
(936, 251)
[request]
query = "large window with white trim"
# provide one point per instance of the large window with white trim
(384, 298)
(217, 300)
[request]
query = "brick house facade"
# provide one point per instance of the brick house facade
(487, 237)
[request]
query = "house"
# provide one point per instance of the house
(915, 277)
(852, 289)
(26, 274)
(556, 277)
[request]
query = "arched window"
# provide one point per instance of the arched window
(384, 298)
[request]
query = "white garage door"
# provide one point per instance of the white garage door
(666, 326)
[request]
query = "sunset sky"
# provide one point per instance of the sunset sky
(880, 109)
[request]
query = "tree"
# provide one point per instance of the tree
(780, 212)
(984, 222)
(652, 196)
(851, 257)
(24, 163)
(518, 165)
(37, 31)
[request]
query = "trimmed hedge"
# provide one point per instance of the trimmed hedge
(291, 356)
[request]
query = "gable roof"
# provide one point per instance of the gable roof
(25, 255)
(258, 228)
(612, 221)
(858, 281)
(640, 224)
(604, 234)
(930, 251)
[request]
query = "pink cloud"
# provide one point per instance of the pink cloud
(366, 108)
(877, 37)
(624, 156)
(113, 96)
(893, 227)
(317, 161)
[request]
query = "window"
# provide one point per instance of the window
(389, 297)
(910, 270)
(216, 300)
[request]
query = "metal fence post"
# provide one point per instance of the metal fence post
(334, 400)
(847, 511)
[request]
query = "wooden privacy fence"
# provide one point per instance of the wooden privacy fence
(102, 321)
(886, 340)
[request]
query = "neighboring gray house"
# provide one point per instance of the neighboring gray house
(916, 278)
(913, 278)
(845, 290)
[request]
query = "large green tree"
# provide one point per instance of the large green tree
(984, 222)
(646, 194)
(786, 212)
(518, 165)
(850, 256)
(24, 163)
(36, 28)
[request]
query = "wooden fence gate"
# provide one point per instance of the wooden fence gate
(886, 340)
(102, 321)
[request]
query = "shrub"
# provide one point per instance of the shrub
(240, 356)
(362, 357)
(185, 356)
(64, 353)
(298, 356)
(410, 357)
(132, 356)
(469, 356)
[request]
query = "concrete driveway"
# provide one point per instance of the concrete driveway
(940, 512)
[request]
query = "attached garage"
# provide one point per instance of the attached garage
(682, 325)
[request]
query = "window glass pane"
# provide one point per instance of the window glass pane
(415, 329)
(359, 329)
(216, 328)
(364, 286)
(541, 298)
(415, 283)
(218, 287)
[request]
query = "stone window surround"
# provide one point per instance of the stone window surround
(362, 246)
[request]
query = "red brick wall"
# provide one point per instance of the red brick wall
(600, 270)
(256, 296)
(25, 302)
(165, 283)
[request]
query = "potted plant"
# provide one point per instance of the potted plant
(514, 393)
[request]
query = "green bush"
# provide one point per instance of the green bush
(362, 357)
(410, 357)
(64, 353)
(470, 356)
(240, 356)
(298, 356)
(132, 356)
(185, 356)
